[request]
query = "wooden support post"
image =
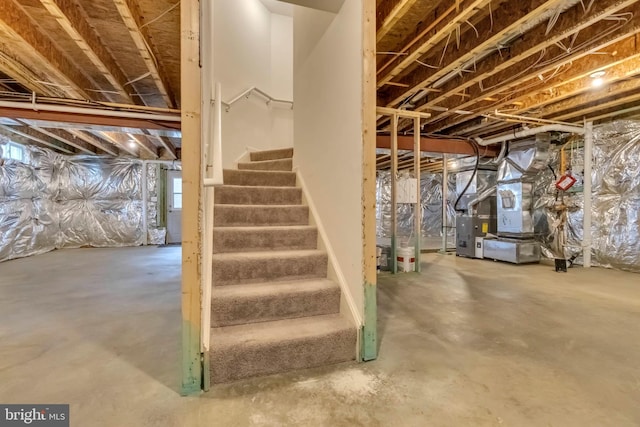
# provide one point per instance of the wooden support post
(586, 224)
(369, 337)
(192, 197)
(445, 193)
(417, 216)
(394, 183)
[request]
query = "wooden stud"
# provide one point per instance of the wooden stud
(192, 366)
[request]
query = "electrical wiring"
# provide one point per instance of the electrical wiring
(473, 175)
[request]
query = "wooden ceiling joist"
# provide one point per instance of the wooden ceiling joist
(95, 141)
(27, 136)
(148, 149)
(168, 150)
(451, 14)
(598, 104)
(67, 139)
(505, 22)
(131, 15)
(120, 140)
(494, 71)
(524, 54)
(72, 19)
(15, 21)
(388, 13)
(619, 60)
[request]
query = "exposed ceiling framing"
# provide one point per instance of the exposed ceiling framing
(463, 61)
(94, 52)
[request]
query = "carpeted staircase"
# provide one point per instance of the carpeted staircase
(273, 308)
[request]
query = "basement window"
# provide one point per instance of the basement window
(14, 151)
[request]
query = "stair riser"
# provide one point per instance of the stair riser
(259, 178)
(247, 360)
(284, 165)
(284, 153)
(237, 271)
(258, 196)
(240, 310)
(225, 241)
(239, 216)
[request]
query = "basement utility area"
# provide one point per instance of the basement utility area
(319, 213)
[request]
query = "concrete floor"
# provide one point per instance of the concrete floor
(466, 343)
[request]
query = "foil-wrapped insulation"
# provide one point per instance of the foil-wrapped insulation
(615, 201)
(56, 201)
(431, 208)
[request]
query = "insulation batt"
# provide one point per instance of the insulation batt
(58, 201)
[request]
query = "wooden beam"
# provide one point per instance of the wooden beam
(438, 31)
(15, 21)
(87, 118)
(25, 135)
(94, 140)
(434, 145)
(66, 138)
(192, 377)
(120, 140)
(494, 70)
(75, 23)
(132, 17)
(12, 67)
(506, 21)
(145, 145)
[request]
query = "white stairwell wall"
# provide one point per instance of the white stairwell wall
(328, 129)
(253, 47)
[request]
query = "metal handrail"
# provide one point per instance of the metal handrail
(247, 93)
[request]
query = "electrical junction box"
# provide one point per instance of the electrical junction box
(407, 190)
(565, 182)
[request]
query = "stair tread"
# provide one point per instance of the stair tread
(274, 228)
(275, 154)
(229, 205)
(260, 172)
(255, 334)
(270, 288)
(298, 253)
(264, 162)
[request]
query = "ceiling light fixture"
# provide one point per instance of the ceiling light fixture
(598, 74)
(132, 144)
(598, 82)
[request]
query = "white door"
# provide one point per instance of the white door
(174, 206)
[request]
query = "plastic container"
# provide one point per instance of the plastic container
(406, 257)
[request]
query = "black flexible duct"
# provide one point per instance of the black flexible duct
(476, 150)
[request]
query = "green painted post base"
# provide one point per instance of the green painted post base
(369, 350)
(191, 363)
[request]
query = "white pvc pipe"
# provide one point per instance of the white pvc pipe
(89, 111)
(529, 132)
(586, 224)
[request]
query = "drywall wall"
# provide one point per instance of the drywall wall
(253, 47)
(328, 127)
